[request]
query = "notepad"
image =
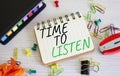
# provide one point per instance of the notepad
(63, 37)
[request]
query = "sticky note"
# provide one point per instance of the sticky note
(30, 14)
(35, 9)
(20, 23)
(40, 5)
(14, 28)
(9, 33)
(25, 18)
(4, 38)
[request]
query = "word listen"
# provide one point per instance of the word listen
(66, 49)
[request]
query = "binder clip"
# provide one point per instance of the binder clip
(85, 68)
(110, 45)
(87, 65)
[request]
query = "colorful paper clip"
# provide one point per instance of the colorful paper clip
(106, 34)
(92, 8)
(15, 54)
(90, 25)
(104, 29)
(100, 8)
(112, 29)
(96, 35)
(110, 45)
(88, 17)
(54, 70)
(17, 62)
(96, 30)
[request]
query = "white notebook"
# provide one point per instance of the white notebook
(63, 37)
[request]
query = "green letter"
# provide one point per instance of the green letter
(59, 49)
(78, 45)
(71, 45)
(53, 49)
(86, 43)
(65, 49)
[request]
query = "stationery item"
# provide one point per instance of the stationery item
(15, 15)
(11, 69)
(56, 3)
(111, 44)
(85, 67)
(63, 37)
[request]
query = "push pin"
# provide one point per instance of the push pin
(32, 71)
(34, 48)
(56, 3)
(54, 66)
(97, 22)
(28, 52)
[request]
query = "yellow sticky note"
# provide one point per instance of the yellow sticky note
(14, 28)
(9, 33)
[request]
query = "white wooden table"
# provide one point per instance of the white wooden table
(109, 65)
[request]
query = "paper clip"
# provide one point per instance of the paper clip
(17, 62)
(92, 8)
(104, 29)
(115, 28)
(98, 8)
(96, 30)
(90, 25)
(112, 29)
(89, 16)
(15, 54)
(95, 68)
(96, 36)
(106, 34)
(59, 71)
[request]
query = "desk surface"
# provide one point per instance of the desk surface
(109, 65)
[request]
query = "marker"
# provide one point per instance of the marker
(111, 44)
